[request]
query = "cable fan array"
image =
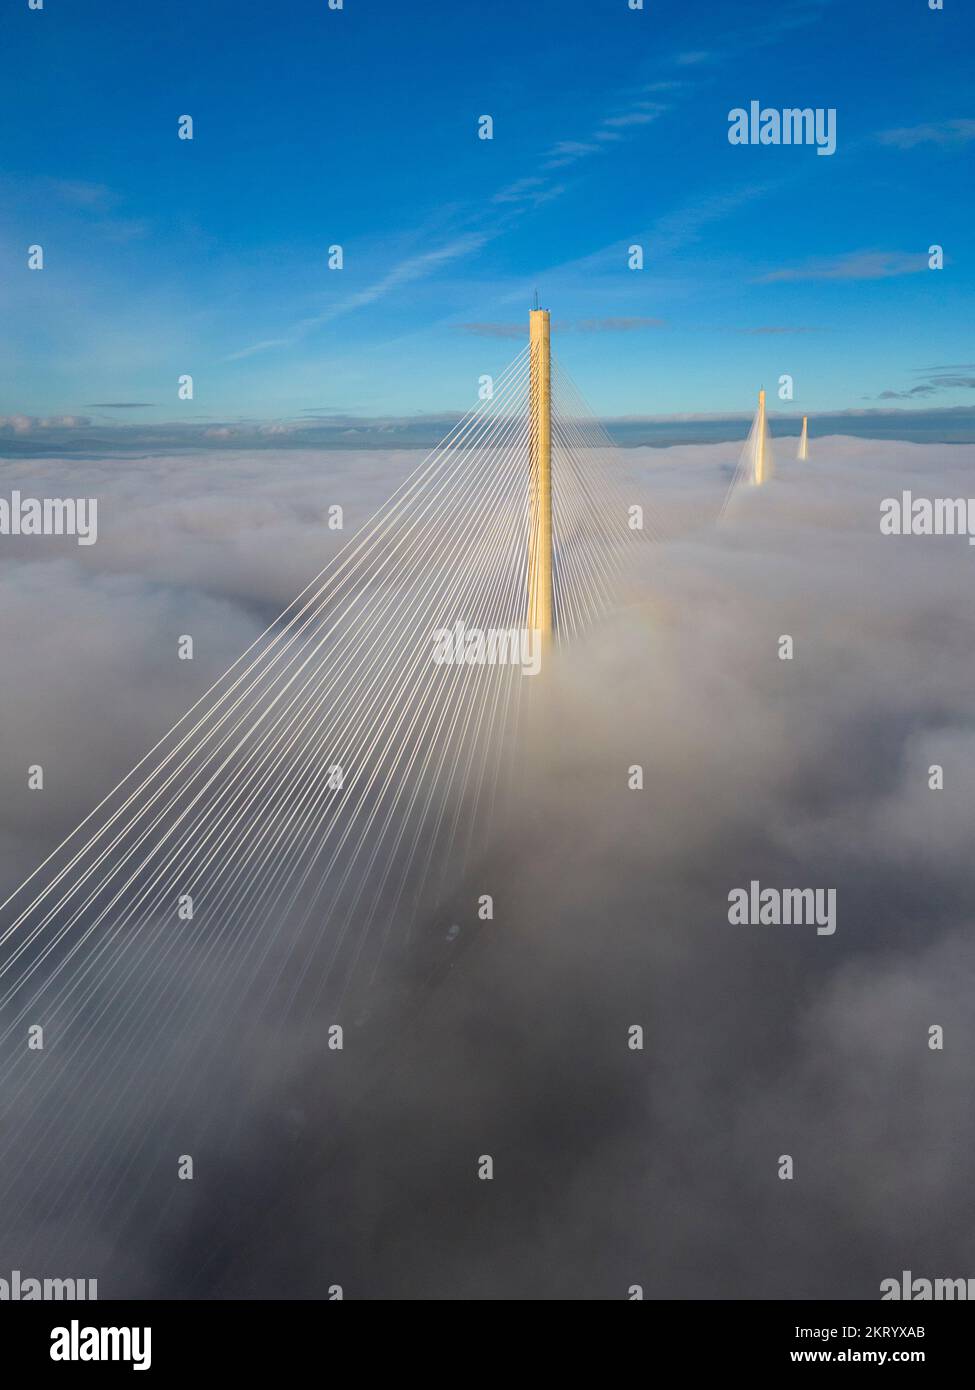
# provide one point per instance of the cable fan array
(259, 861)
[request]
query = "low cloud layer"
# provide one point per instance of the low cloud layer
(509, 1038)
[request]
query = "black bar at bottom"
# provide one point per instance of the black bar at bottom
(251, 1337)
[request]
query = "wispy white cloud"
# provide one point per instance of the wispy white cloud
(412, 268)
(254, 348)
(955, 132)
(609, 129)
(643, 117)
(408, 270)
(568, 151)
(534, 190)
(97, 197)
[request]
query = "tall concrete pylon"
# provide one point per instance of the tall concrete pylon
(761, 464)
(804, 439)
(540, 396)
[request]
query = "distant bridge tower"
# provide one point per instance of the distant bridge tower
(761, 465)
(804, 439)
(540, 554)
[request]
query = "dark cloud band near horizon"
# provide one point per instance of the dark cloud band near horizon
(32, 437)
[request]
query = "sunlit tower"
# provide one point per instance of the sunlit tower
(540, 458)
(761, 465)
(804, 439)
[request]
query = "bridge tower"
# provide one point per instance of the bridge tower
(540, 398)
(761, 471)
(804, 439)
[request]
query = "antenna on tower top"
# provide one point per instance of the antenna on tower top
(535, 304)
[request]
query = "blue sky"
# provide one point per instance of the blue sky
(359, 127)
